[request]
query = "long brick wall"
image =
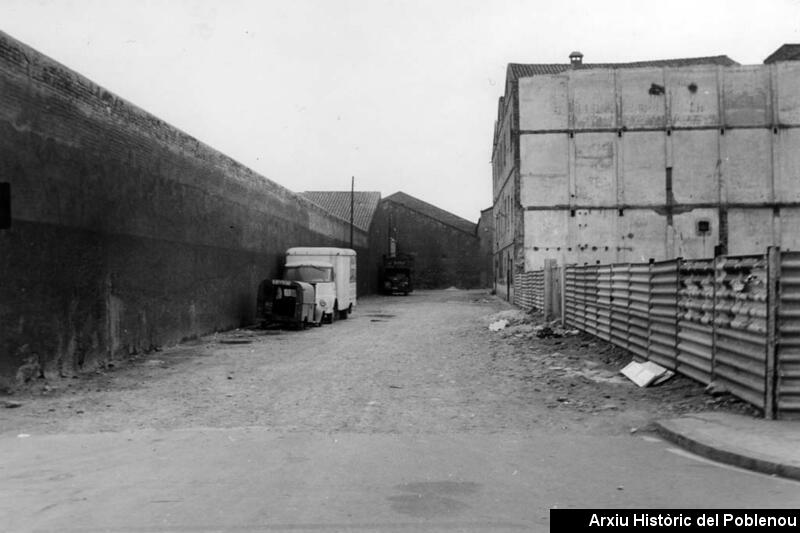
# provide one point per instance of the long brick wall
(127, 234)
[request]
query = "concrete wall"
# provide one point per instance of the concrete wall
(622, 165)
(445, 256)
(126, 233)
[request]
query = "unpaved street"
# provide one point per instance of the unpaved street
(410, 415)
(423, 363)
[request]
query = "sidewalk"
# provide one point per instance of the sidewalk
(768, 446)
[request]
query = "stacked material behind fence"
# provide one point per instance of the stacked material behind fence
(740, 326)
(707, 319)
(695, 341)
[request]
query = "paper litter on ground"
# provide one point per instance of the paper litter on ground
(646, 374)
(497, 326)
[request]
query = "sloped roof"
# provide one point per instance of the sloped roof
(338, 203)
(520, 70)
(431, 211)
(787, 52)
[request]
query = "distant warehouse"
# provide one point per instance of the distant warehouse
(657, 159)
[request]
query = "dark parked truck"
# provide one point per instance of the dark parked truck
(292, 303)
(397, 274)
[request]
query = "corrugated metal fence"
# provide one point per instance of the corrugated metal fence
(734, 321)
(788, 326)
(529, 290)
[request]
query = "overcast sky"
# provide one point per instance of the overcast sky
(400, 94)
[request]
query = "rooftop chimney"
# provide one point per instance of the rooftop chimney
(576, 59)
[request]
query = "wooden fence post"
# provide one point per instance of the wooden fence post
(552, 290)
(773, 279)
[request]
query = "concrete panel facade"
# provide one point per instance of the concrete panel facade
(754, 227)
(126, 233)
(786, 143)
(695, 166)
(545, 236)
(685, 240)
(544, 162)
(594, 102)
(787, 228)
(788, 95)
(683, 159)
(642, 105)
(642, 168)
(585, 229)
(747, 96)
(692, 96)
(543, 103)
(638, 235)
(595, 169)
(641, 235)
(747, 165)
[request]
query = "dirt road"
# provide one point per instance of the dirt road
(409, 416)
(422, 363)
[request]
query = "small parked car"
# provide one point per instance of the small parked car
(292, 303)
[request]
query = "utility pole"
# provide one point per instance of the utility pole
(352, 206)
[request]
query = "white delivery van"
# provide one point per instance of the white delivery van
(332, 271)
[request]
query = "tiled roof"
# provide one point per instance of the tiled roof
(519, 70)
(787, 52)
(338, 203)
(445, 217)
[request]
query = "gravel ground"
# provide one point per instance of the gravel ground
(426, 363)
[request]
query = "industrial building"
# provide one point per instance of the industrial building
(446, 249)
(606, 163)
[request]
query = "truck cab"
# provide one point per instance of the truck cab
(321, 276)
(287, 302)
